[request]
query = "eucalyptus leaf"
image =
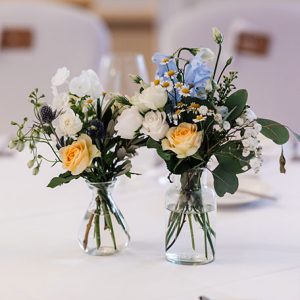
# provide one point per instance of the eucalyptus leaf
(62, 179)
(274, 131)
(236, 104)
(224, 181)
(153, 144)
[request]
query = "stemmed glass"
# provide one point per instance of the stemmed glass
(115, 68)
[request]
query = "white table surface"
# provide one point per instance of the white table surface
(258, 245)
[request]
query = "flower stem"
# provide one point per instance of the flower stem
(87, 231)
(191, 231)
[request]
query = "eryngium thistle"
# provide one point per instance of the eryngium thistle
(96, 129)
(47, 114)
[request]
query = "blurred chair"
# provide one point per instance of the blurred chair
(36, 39)
(265, 41)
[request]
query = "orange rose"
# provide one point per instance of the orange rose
(184, 140)
(79, 155)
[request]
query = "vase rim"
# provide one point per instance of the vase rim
(107, 183)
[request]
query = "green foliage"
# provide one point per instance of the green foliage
(236, 103)
(274, 131)
(62, 179)
(224, 181)
(230, 158)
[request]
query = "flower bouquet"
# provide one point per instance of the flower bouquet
(79, 127)
(193, 115)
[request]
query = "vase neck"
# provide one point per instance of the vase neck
(193, 179)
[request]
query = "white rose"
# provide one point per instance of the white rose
(155, 125)
(128, 123)
(60, 76)
(154, 97)
(68, 123)
(135, 100)
(60, 101)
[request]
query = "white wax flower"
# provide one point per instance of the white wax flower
(250, 116)
(60, 101)
(128, 123)
(218, 118)
(154, 97)
(239, 121)
(155, 125)
(226, 125)
(68, 124)
(203, 110)
(60, 76)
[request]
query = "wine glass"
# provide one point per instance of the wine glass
(115, 68)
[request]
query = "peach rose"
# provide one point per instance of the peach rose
(79, 155)
(184, 140)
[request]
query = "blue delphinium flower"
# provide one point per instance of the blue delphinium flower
(197, 74)
(164, 63)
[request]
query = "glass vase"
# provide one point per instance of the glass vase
(190, 220)
(103, 230)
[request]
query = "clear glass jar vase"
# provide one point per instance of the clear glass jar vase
(190, 220)
(103, 230)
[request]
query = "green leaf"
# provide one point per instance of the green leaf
(236, 103)
(224, 181)
(274, 131)
(296, 135)
(230, 158)
(153, 144)
(164, 155)
(61, 179)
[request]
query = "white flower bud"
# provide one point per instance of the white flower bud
(239, 121)
(12, 144)
(226, 125)
(217, 35)
(35, 171)
(20, 146)
(30, 163)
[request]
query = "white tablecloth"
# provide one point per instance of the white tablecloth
(258, 245)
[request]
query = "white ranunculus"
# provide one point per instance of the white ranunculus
(60, 101)
(68, 124)
(87, 84)
(128, 123)
(155, 125)
(154, 97)
(135, 100)
(80, 86)
(60, 76)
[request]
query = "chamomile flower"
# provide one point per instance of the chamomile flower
(157, 81)
(199, 119)
(185, 91)
(178, 85)
(168, 85)
(194, 106)
(170, 73)
(87, 103)
(165, 60)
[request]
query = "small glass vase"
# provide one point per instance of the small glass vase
(103, 230)
(190, 220)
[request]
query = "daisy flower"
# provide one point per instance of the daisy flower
(178, 85)
(170, 73)
(185, 91)
(199, 119)
(168, 85)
